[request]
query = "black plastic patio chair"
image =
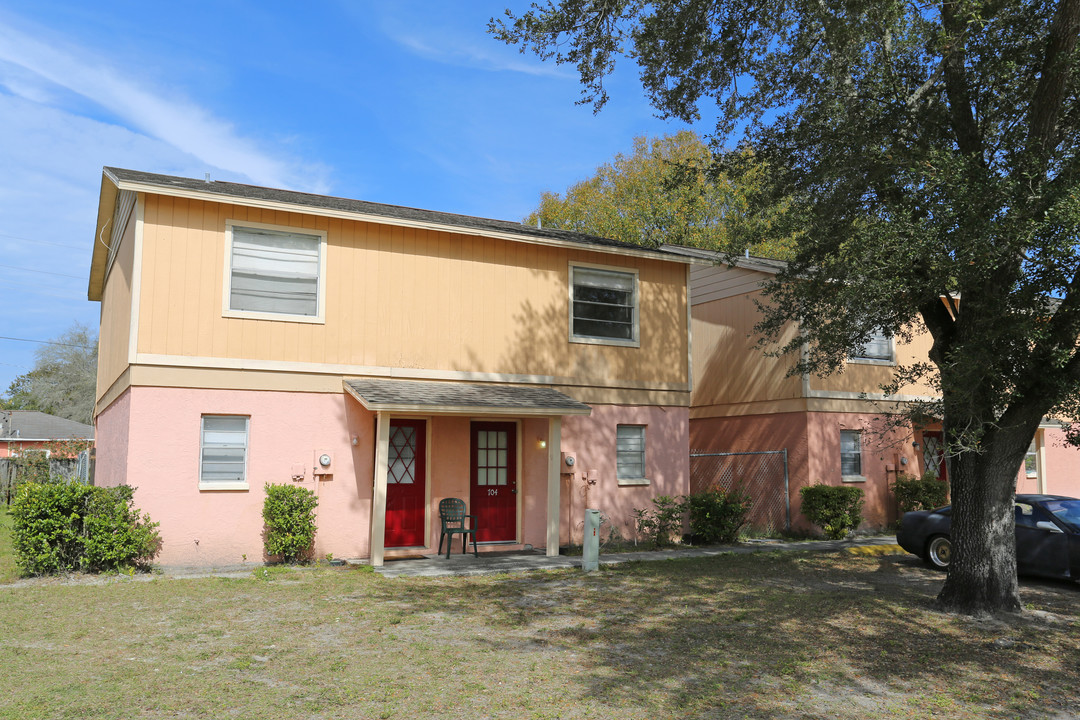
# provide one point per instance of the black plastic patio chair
(454, 520)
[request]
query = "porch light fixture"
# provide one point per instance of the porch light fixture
(915, 444)
(541, 443)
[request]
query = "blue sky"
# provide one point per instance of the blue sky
(408, 103)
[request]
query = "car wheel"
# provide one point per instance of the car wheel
(939, 552)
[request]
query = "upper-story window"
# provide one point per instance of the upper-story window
(879, 347)
(604, 306)
(276, 272)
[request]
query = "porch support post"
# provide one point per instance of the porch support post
(378, 494)
(554, 484)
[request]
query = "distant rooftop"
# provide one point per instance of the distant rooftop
(33, 425)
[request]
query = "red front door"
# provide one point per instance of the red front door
(494, 481)
(405, 478)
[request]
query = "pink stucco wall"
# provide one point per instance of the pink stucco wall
(202, 527)
(884, 448)
(1061, 469)
(591, 439)
(813, 444)
(111, 431)
(150, 438)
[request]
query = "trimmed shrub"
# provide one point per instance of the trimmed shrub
(717, 516)
(663, 522)
(63, 526)
(836, 509)
(925, 493)
(289, 514)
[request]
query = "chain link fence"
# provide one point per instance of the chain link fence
(762, 475)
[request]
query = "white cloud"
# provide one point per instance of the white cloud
(462, 51)
(43, 74)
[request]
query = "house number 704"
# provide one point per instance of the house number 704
(493, 491)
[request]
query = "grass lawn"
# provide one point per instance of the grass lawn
(8, 571)
(772, 635)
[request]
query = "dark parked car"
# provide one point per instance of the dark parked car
(1047, 535)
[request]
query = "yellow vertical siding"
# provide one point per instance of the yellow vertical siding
(114, 334)
(403, 298)
(858, 377)
(729, 367)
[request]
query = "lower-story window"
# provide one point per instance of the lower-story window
(850, 453)
(223, 455)
(630, 454)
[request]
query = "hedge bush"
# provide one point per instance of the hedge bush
(663, 522)
(64, 526)
(289, 514)
(836, 509)
(925, 493)
(717, 516)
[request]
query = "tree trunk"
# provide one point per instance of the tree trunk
(982, 575)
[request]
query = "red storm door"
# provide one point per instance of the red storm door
(405, 484)
(494, 481)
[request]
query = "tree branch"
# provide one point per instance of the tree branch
(1048, 99)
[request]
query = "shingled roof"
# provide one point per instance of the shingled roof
(406, 395)
(33, 425)
(236, 191)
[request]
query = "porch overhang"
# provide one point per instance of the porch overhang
(457, 398)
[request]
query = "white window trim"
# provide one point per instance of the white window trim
(247, 455)
(626, 481)
(587, 340)
(1040, 464)
(226, 289)
(891, 362)
(861, 477)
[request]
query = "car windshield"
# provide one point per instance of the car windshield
(1067, 511)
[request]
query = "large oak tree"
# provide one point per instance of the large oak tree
(931, 153)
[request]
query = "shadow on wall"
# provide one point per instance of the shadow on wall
(735, 369)
(537, 340)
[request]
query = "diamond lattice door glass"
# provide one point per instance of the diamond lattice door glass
(405, 484)
(494, 481)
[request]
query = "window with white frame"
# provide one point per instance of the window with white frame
(850, 453)
(878, 347)
(1031, 459)
(274, 272)
(630, 453)
(603, 305)
(223, 455)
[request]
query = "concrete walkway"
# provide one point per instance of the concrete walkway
(511, 562)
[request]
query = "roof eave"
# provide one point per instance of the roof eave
(262, 203)
(100, 257)
(463, 409)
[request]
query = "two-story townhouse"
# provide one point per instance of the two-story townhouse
(384, 357)
(836, 429)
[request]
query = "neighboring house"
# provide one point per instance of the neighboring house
(383, 357)
(837, 429)
(22, 430)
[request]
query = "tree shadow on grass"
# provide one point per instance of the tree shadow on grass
(779, 636)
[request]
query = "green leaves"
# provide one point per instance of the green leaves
(669, 190)
(836, 509)
(62, 526)
(289, 514)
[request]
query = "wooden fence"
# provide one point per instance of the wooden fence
(9, 474)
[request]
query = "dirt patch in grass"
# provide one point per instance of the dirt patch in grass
(773, 635)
